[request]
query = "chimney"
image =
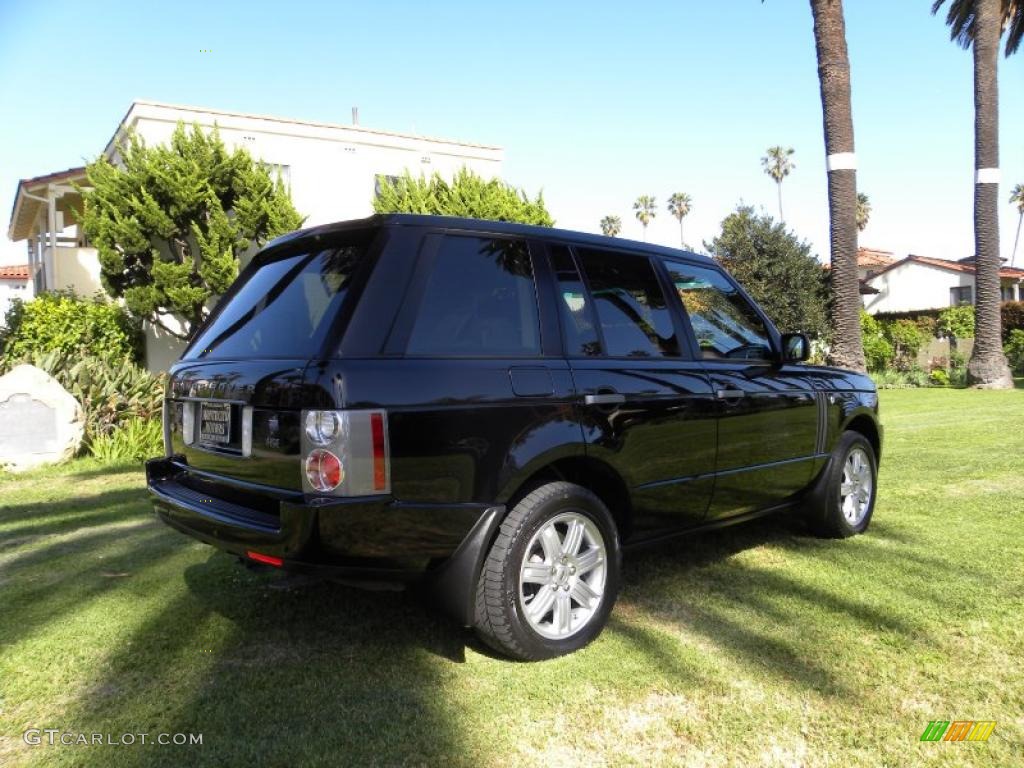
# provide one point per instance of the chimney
(355, 115)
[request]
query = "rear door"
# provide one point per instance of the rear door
(646, 406)
(768, 414)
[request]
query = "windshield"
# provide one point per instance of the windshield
(285, 308)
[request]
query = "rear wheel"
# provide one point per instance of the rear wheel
(843, 499)
(551, 576)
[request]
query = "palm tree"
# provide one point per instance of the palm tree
(645, 210)
(1017, 196)
(778, 165)
(960, 20)
(978, 24)
(611, 226)
(834, 78)
(863, 211)
(679, 205)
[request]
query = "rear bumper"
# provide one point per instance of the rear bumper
(360, 539)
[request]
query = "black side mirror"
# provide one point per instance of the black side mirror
(796, 347)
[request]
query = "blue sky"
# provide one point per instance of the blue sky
(594, 103)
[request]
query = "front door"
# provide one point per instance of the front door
(767, 413)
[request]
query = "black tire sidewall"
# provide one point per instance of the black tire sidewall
(581, 502)
(833, 499)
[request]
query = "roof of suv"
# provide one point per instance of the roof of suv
(485, 225)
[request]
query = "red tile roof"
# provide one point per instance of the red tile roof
(953, 266)
(18, 272)
(871, 257)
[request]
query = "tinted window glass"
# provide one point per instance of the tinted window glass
(479, 301)
(578, 325)
(635, 320)
(725, 324)
(284, 309)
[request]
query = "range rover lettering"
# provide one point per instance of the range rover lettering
(496, 411)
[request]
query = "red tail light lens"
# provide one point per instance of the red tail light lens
(379, 457)
(324, 470)
(268, 559)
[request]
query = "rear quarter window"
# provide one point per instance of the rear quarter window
(479, 300)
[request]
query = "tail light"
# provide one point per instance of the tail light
(346, 453)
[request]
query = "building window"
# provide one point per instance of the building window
(380, 180)
(1007, 292)
(961, 295)
(277, 171)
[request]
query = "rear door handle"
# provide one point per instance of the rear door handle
(730, 394)
(611, 398)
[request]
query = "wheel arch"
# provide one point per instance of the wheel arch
(866, 425)
(593, 474)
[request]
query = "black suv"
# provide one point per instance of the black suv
(496, 410)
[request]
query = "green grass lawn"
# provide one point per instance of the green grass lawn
(756, 645)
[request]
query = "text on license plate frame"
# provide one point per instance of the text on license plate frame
(216, 430)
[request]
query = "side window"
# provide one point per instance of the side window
(577, 316)
(724, 322)
(479, 301)
(631, 307)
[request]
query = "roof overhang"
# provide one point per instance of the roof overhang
(28, 207)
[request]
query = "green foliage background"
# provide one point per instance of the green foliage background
(61, 321)
(467, 195)
(171, 224)
(777, 270)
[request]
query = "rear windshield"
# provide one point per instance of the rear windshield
(285, 308)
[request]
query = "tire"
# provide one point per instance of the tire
(510, 613)
(833, 514)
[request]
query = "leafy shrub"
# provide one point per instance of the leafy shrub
(878, 351)
(939, 378)
(468, 195)
(891, 379)
(1013, 317)
(134, 440)
(1014, 351)
(927, 325)
(65, 322)
(957, 368)
(906, 339)
(111, 390)
(957, 322)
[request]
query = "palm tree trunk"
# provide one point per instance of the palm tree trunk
(1016, 239)
(834, 77)
(778, 184)
(682, 240)
(987, 367)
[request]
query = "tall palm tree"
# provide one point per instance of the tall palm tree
(834, 78)
(960, 20)
(978, 24)
(1017, 196)
(645, 210)
(679, 205)
(777, 164)
(863, 211)
(611, 226)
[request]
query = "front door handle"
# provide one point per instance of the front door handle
(730, 394)
(610, 398)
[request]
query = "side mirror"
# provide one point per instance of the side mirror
(796, 348)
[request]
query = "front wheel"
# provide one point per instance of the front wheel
(551, 576)
(843, 499)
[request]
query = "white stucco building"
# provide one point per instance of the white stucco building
(14, 284)
(332, 170)
(920, 282)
